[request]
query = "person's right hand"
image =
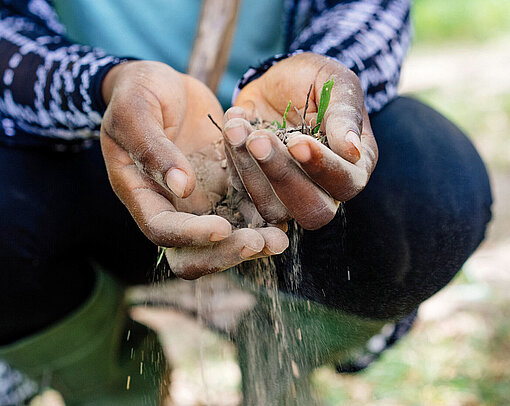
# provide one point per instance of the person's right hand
(154, 119)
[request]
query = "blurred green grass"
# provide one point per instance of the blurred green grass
(437, 21)
(462, 359)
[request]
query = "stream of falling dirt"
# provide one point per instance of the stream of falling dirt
(198, 298)
(267, 341)
(275, 360)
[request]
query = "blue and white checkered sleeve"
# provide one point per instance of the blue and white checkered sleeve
(50, 88)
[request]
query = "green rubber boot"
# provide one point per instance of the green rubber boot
(97, 356)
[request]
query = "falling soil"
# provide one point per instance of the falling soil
(275, 369)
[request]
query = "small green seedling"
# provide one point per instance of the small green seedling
(284, 125)
(160, 256)
(277, 124)
(284, 121)
(323, 103)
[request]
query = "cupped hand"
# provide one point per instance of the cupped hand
(303, 179)
(155, 138)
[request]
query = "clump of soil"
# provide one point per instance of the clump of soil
(285, 134)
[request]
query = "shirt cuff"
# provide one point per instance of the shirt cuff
(96, 83)
(255, 72)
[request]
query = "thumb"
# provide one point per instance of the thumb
(134, 127)
(343, 120)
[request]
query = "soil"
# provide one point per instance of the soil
(285, 134)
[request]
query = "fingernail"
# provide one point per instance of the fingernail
(260, 148)
(354, 139)
(236, 135)
(301, 151)
(247, 252)
(268, 251)
(216, 237)
(235, 112)
(176, 179)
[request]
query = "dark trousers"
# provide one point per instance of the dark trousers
(424, 211)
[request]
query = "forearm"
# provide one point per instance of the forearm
(50, 87)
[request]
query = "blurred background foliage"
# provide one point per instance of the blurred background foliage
(437, 21)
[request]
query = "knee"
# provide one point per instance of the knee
(404, 237)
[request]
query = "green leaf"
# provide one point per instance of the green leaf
(276, 123)
(323, 103)
(284, 125)
(160, 257)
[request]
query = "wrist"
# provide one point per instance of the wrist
(256, 72)
(140, 71)
(110, 79)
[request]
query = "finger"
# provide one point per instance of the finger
(235, 180)
(255, 182)
(276, 241)
(343, 120)
(341, 178)
(234, 112)
(311, 206)
(194, 262)
(134, 120)
(152, 211)
(259, 110)
(282, 226)
(369, 144)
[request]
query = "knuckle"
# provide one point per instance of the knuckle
(319, 217)
(114, 116)
(274, 215)
(186, 274)
(143, 154)
(190, 271)
(158, 232)
(283, 175)
(351, 76)
(117, 186)
(190, 264)
(156, 236)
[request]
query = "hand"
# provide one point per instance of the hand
(155, 120)
(303, 179)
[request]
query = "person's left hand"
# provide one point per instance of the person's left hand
(305, 179)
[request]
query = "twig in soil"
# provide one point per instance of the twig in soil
(306, 104)
(284, 120)
(303, 122)
(215, 124)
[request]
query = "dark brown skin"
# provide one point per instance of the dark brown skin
(157, 118)
(304, 179)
